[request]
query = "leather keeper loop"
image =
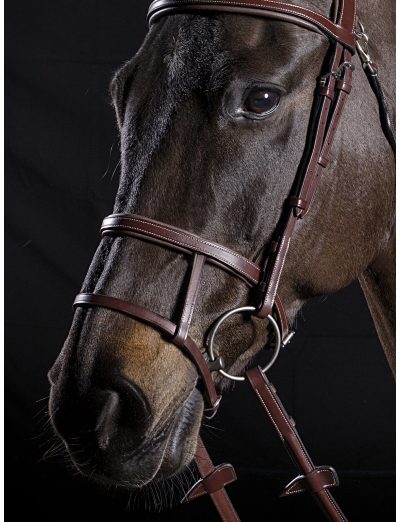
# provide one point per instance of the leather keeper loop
(221, 476)
(298, 202)
(343, 86)
(322, 477)
(325, 91)
(323, 161)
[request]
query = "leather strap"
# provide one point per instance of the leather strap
(283, 322)
(166, 326)
(213, 482)
(320, 478)
(325, 125)
(341, 32)
(317, 480)
(190, 301)
(178, 239)
(343, 88)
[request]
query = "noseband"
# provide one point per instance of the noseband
(262, 274)
(202, 251)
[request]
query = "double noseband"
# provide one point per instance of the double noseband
(201, 251)
(264, 273)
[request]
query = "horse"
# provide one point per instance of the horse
(214, 112)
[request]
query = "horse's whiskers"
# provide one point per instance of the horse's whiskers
(56, 450)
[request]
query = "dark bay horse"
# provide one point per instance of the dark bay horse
(213, 113)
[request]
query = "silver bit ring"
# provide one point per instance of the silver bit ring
(210, 345)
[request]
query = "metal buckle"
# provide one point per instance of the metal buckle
(214, 409)
(210, 346)
(362, 48)
(336, 74)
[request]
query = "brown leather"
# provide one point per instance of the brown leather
(190, 301)
(298, 203)
(180, 239)
(326, 91)
(309, 188)
(215, 482)
(342, 32)
(271, 403)
(275, 274)
(281, 315)
(322, 477)
(343, 86)
(301, 22)
(326, 127)
(222, 475)
(324, 163)
(322, 125)
(166, 326)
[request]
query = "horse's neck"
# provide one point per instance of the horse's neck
(378, 280)
(378, 285)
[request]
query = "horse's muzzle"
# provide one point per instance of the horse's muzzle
(111, 437)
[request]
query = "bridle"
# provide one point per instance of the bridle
(263, 274)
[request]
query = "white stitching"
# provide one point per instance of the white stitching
(292, 492)
(228, 500)
(137, 229)
(201, 240)
(202, 492)
(300, 489)
(270, 416)
(291, 427)
(280, 271)
(324, 471)
(321, 505)
(333, 502)
(279, 9)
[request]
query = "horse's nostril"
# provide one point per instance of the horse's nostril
(134, 408)
(112, 417)
(124, 408)
(105, 426)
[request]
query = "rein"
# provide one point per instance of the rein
(264, 274)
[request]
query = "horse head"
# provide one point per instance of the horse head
(213, 113)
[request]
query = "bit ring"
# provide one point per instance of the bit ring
(210, 345)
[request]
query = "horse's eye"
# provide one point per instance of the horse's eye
(261, 102)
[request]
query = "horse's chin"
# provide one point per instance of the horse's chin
(162, 455)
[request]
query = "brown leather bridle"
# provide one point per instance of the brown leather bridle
(264, 273)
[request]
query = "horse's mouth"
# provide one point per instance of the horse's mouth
(161, 456)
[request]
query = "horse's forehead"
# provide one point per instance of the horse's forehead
(196, 42)
(187, 51)
(246, 30)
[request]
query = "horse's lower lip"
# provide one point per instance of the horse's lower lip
(122, 469)
(183, 430)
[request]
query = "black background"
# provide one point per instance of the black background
(61, 154)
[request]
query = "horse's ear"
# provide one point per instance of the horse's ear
(115, 92)
(119, 90)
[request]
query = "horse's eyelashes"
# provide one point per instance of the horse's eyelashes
(261, 101)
